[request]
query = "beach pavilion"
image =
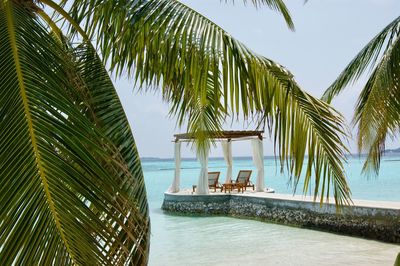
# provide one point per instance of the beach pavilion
(226, 138)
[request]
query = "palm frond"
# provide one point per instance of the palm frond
(99, 101)
(64, 198)
(304, 125)
(277, 5)
(378, 108)
(167, 44)
(368, 56)
(199, 105)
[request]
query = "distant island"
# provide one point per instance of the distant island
(150, 158)
(392, 150)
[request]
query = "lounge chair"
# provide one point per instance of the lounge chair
(241, 183)
(212, 181)
(243, 180)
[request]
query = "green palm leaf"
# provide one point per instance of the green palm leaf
(165, 44)
(100, 102)
(277, 5)
(378, 107)
(71, 188)
(368, 56)
(203, 113)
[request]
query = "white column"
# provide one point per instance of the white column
(202, 184)
(174, 188)
(258, 158)
(227, 150)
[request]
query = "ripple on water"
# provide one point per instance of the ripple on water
(179, 240)
(230, 241)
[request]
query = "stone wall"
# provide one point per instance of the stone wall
(373, 223)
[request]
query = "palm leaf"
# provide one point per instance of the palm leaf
(198, 66)
(377, 109)
(202, 110)
(103, 106)
(305, 125)
(277, 5)
(368, 56)
(99, 100)
(62, 196)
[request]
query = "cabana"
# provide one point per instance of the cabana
(226, 138)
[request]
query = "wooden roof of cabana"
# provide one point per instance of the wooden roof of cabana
(223, 135)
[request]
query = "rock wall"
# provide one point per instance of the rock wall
(373, 223)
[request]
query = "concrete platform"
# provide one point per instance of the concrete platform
(249, 193)
(370, 219)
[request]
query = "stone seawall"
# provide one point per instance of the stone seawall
(364, 221)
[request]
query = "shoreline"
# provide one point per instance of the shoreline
(378, 220)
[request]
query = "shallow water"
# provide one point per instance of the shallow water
(180, 240)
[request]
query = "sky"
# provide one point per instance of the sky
(328, 34)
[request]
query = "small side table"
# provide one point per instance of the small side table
(231, 186)
(228, 187)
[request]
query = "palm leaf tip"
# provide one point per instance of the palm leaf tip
(276, 5)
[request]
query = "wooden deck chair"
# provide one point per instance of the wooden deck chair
(243, 180)
(212, 181)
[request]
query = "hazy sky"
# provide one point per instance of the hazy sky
(329, 33)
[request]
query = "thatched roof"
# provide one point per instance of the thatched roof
(222, 135)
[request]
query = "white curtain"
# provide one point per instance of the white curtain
(174, 188)
(202, 185)
(258, 158)
(227, 149)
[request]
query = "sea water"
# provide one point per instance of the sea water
(217, 240)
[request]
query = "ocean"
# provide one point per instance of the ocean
(217, 240)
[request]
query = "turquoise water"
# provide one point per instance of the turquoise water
(179, 240)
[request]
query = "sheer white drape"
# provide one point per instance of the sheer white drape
(202, 185)
(227, 150)
(258, 158)
(174, 188)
